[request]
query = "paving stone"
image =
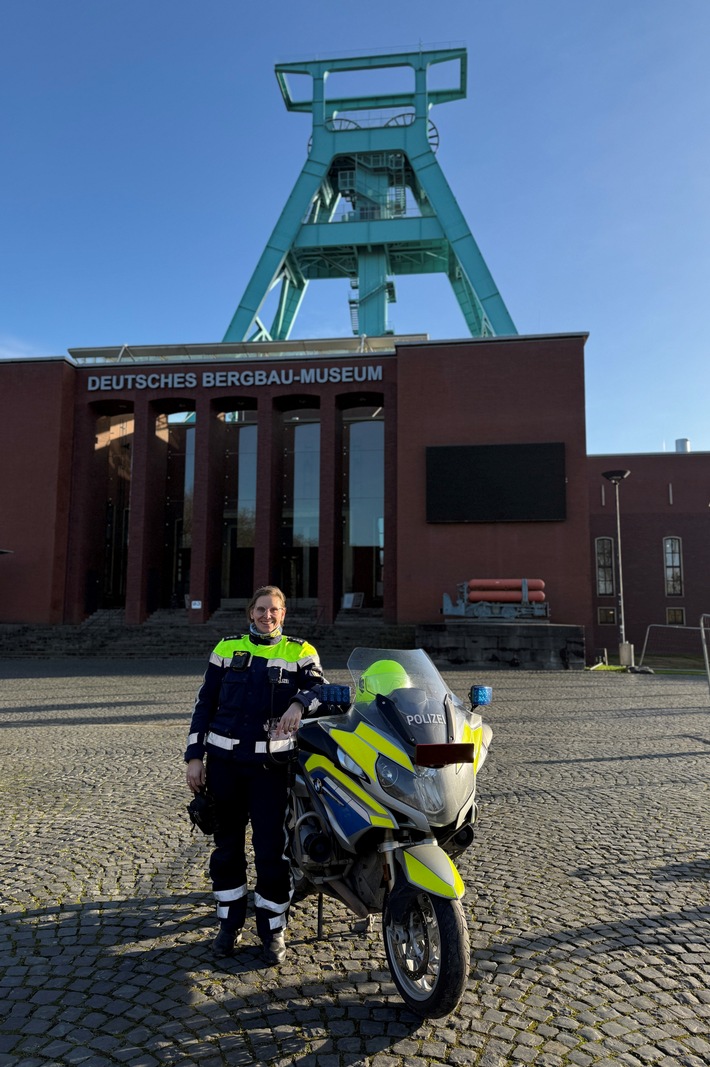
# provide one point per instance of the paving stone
(588, 898)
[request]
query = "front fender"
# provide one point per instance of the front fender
(428, 867)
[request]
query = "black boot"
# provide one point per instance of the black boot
(275, 949)
(225, 941)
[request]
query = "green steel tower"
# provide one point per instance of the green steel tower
(371, 203)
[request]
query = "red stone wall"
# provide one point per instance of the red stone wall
(515, 391)
(36, 434)
(666, 495)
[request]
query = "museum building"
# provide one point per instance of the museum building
(376, 471)
(170, 476)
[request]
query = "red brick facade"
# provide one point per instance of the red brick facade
(502, 391)
(666, 495)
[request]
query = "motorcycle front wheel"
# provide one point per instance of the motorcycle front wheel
(428, 953)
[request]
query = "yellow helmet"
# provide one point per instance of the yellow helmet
(382, 676)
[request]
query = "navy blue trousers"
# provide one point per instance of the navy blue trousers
(257, 793)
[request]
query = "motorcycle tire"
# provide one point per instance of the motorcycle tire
(428, 953)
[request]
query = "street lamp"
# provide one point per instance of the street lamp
(626, 651)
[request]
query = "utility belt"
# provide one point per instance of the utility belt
(281, 744)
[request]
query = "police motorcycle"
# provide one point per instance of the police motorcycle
(383, 798)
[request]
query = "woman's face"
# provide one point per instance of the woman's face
(267, 614)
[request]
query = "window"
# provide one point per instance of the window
(673, 566)
(606, 616)
(300, 502)
(363, 504)
(177, 430)
(113, 449)
(675, 616)
(605, 566)
(240, 437)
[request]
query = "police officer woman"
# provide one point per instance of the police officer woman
(251, 679)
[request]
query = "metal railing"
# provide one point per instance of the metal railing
(672, 629)
(704, 626)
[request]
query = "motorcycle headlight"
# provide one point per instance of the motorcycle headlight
(419, 790)
(388, 773)
(394, 779)
(428, 792)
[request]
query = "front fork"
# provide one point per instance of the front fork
(387, 850)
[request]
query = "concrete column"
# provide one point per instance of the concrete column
(147, 520)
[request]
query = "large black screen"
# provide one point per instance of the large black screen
(496, 483)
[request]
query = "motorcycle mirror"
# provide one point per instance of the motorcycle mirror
(480, 695)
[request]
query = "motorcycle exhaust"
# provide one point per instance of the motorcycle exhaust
(312, 845)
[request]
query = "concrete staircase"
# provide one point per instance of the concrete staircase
(169, 633)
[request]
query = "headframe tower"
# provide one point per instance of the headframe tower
(370, 203)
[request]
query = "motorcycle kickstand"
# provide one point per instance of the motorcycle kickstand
(319, 934)
(366, 926)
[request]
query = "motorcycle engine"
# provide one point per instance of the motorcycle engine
(367, 880)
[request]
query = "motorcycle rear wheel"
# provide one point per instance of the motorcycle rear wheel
(428, 953)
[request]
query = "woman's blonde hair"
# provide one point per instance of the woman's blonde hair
(266, 590)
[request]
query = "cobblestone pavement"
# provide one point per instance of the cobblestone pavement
(588, 889)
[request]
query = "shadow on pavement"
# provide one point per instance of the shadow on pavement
(138, 975)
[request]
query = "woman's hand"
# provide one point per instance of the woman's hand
(195, 775)
(289, 721)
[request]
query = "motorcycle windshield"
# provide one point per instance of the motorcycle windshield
(402, 693)
(418, 701)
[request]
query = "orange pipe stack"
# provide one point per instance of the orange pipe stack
(506, 590)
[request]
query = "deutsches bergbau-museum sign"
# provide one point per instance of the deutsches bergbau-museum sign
(230, 379)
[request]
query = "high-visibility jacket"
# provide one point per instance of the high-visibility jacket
(249, 680)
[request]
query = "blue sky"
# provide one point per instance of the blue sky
(147, 155)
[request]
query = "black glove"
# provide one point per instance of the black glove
(202, 810)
